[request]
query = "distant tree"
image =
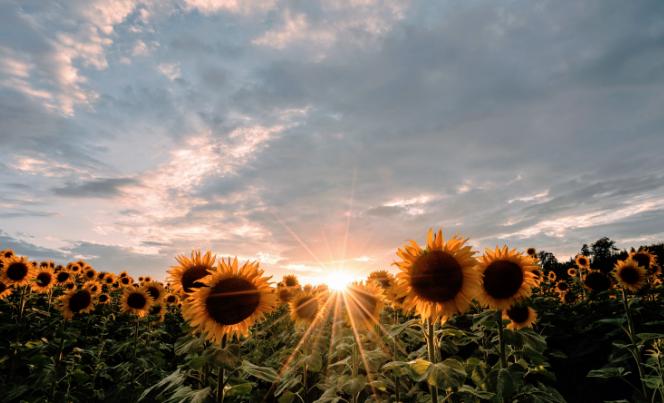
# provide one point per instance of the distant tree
(585, 250)
(548, 260)
(603, 254)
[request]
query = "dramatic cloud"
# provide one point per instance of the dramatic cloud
(324, 134)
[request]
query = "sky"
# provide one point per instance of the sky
(316, 136)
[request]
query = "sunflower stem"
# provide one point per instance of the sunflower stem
(220, 378)
(631, 332)
(354, 365)
(430, 338)
(501, 339)
(56, 367)
(395, 353)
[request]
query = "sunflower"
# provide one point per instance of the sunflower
(126, 281)
(363, 305)
(520, 316)
(44, 281)
(285, 294)
(532, 252)
(630, 275)
(103, 299)
(123, 274)
(571, 272)
(147, 279)
(187, 275)
(93, 286)
(507, 277)
(76, 302)
(69, 286)
(582, 261)
(304, 308)
(597, 281)
(290, 280)
(171, 299)
(381, 278)
(63, 277)
(552, 276)
(562, 286)
(5, 290)
(89, 274)
(159, 311)
(58, 268)
(74, 268)
(645, 259)
(6, 254)
(136, 300)
(47, 264)
(156, 290)
(108, 279)
(17, 271)
(234, 299)
(439, 280)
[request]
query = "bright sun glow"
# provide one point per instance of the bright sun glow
(339, 280)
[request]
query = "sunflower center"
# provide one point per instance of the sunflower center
(44, 279)
(153, 291)
(642, 260)
(291, 282)
(170, 299)
(232, 300)
(629, 275)
(90, 274)
(583, 261)
(79, 301)
(502, 279)
(191, 276)
(436, 276)
(103, 298)
(136, 300)
(306, 308)
(3, 287)
(518, 313)
(597, 281)
(562, 286)
(124, 280)
(17, 271)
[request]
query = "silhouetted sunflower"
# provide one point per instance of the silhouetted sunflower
(520, 316)
(232, 300)
(103, 299)
(364, 303)
(630, 275)
(440, 280)
(285, 294)
(646, 260)
(187, 275)
(136, 301)
(597, 281)
(44, 281)
(76, 302)
(156, 290)
(582, 261)
(5, 290)
(507, 277)
(303, 308)
(532, 252)
(17, 271)
(381, 278)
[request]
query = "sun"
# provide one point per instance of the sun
(339, 280)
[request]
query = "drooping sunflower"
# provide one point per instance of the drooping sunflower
(17, 271)
(187, 275)
(440, 280)
(304, 308)
(156, 290)
(507, 277)
(364, 303)
(582, 261)
(552, 276)
(103, 299)
(571, 272)
(630, 275)
(645, 259)
(597, 281)
(44, 281)
(76, 302)
(5, 290)
(520, 316)
(63, 277)
(232, 301)
(136, 301)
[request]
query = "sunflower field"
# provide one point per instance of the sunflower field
(446, 324)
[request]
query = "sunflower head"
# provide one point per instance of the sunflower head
(62, 277)
(597, 281)
(233, 299)
(136, 301)
(17, 271)
(571, 272)
(158, 311)
(645, 259)
(532, 252)
(520, 316)
(439, 280)
(562, 286)
(552, 276)
(171, 299)
(291, 280)
(507, 277)
(69, 286)
(47, 264)
(187, 275)
(155, 289)
(123, 274)
(285, 294)
(74, 268)
(44, 281)
(103, 299)
(93, 286)
(5, 290)
(382, 279)
(630, 275)
(126, 281)
(89, 274)
(582, 261)
(364, 303)
(304, 308)
(76, 302)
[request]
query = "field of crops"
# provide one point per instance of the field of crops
(446, 323)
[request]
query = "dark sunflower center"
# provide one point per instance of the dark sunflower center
(597, 281)
(291, 282)
(155, 310)
(232, 300)
(62, 276)
(436, 276)
(170, 299)
(642, 260)
(17, 271)
(8, 254)
(124, 280)
(531, 251)
(562, 286)
(103, 298)
(307, 308)
(502, 279)
(70, 286)
(518, 313)
(384, 283)
(583, 261)
(629, 275)
(79, 301)
(44, 279)
(90, 274)
(191, 276)
(3, 287)
(153, 291)
(136, 300)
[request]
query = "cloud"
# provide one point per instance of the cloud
(103, 187)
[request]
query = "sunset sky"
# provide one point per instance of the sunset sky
(314, 135)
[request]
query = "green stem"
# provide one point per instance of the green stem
(56, 367)
(430, 338)
(631, 332)
(501, 339)
(395, 357)
(354, 367)
(220, 377)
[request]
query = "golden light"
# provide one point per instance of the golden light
(339, 280)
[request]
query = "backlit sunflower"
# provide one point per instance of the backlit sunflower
(103, 299)
(136, 301)
(285, 294)
(597, 281)
(5, 290)
(364, 303)
(440, 280)
(291, 280)
(520, 316)
(187, 275)
(571, 272)
(63, 277)
(17, 271)
(44, 281)
(507, 277)
(304, 308)
(156, 290)
(646, 260)
(381, 278)
(552, 276)
(630, 275)
(76, 302)
(232, 301)
(582, 261)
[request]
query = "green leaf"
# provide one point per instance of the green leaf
(504, 385)
(649, 336)
(606, 373)
(477, 393)
(263, 373)
(238, 390)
